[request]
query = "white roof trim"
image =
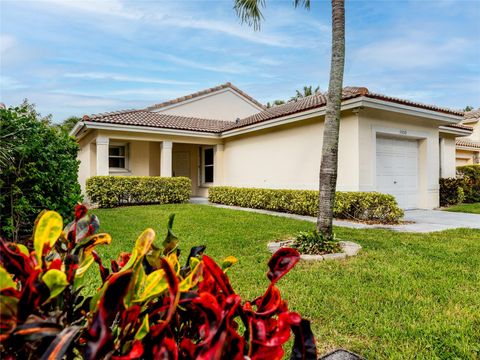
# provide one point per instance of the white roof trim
(149, 130)
(454, 131)
(409, 109)
(200, 97)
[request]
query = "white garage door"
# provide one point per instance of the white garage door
(397, 170)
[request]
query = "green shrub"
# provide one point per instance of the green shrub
(38, 170)
(471, 175)
(452, 191)
(312, 242)
(369, 206)
(111, 191)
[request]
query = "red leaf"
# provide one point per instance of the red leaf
(167, 350)
(99, 333)
(56, 264)
(216, 272)
(135, 352)
(304, 347)
(80, 211)
(14, 261)
(103, 270)
(281, 263)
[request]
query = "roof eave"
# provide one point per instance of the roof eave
(149, 129)
(455, 131)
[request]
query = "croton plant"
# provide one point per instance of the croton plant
(148, 306)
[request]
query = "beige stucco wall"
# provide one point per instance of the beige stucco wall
(289, 156)
(464, 157)
(222, 105)
(375, 122)
(447, 156)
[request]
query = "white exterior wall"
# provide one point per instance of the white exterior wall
(222, 105)
(377, 122)
(289, 157)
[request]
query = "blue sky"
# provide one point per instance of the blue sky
(83, 57)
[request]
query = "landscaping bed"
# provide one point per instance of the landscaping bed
(372, 207)
(404, 296)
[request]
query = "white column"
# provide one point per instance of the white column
(102, 155)
(218, 165)
(166, 158)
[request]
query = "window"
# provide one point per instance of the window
(117, 156)
(207, 165)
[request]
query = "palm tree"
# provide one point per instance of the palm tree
(306, 91)
(250, 12)
(275, 103)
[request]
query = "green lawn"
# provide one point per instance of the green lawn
(466, 208)
(405, 296)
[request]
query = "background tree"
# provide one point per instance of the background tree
(275, 103)
(68, 124)
(40, 171)
(468, 108)
(306, 91)
(250, 12)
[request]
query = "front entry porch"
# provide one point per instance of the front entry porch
(132, 155)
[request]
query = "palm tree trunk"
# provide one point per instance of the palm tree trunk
(328, 167)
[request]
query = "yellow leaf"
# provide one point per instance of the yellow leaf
(155, 284)
(192, 279)
(228, 262)
(47, 230)
(56, 281)
(143, 330)
(144, 241)
(6, 280)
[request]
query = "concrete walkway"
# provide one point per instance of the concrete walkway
(420, 221)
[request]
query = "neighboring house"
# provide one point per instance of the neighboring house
(468, 148)
(222, 136)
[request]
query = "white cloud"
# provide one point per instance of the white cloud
(410, 51)
(125, 78)
(168, 17)
(9, 83)
(229, 68)
(7, 42)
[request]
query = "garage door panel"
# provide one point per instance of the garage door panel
(397, 169)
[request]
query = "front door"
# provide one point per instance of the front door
(181, 163)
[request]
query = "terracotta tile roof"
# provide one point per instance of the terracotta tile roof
(460, 126)
(157, 120)
(468, 143)
(320, 100)
(472, 115)
(146, 117)
(204, 92)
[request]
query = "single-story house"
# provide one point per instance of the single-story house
(222, 136)
(468, 148)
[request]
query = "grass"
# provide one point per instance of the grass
(465, 208)
(405, 296)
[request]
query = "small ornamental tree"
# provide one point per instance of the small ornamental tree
(149, 305)
(38, 170)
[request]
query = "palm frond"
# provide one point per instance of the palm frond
(303, 3)
(249, 11)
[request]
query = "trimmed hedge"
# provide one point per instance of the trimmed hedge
(366, 206)
(452, 191)
(471, 175)
(111, 191)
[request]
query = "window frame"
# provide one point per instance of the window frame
(203, 166)
(125, 157)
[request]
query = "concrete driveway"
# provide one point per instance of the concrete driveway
(419, 221)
